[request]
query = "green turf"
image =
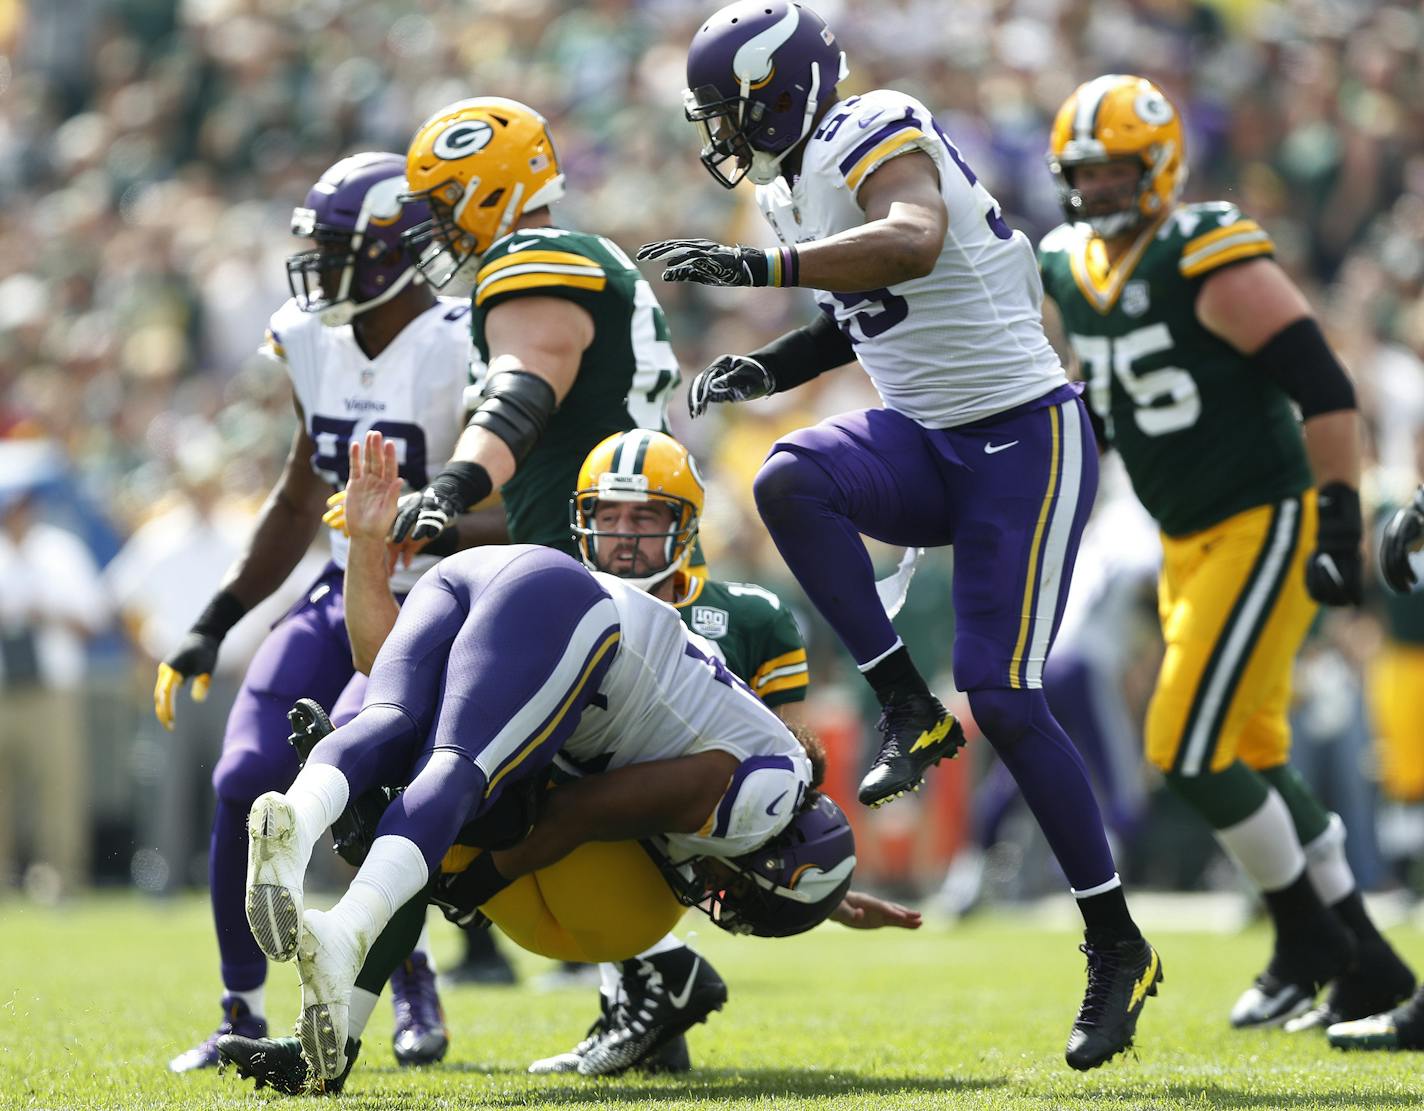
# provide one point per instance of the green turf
(95, 998)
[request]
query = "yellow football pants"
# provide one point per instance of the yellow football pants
(602, 902)
(1397, 699)
(1234, 611)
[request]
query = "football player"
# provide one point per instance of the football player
(1196, 346)
(575, 342)
(367, 345)
(981, 443)
(635, 514)
(500, 658)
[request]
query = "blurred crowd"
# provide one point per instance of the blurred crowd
(151, 152)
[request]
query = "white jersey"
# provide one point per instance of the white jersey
(965, 341)
(412, 393)
(666, 698)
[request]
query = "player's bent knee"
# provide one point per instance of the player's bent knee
(244, 773)
(788, 475)
(602, 902)
(1003, 716)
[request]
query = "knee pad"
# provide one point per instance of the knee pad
(786, 475)
(1004, 716)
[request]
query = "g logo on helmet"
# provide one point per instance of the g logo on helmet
(1152, 107)
(462, 138)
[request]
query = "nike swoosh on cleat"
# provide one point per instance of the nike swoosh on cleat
(771, 810)
(1139, 989)
(680, 999)
(933, 736)
(994, 449)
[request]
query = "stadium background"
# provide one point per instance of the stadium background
(150, 155)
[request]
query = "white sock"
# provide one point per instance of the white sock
(610, 980)
(318, 796)
(363, 1003)
(666, 945)
(394, 873)
(423, 948)
(253, 999)
(1264, 844)
(1329, 868)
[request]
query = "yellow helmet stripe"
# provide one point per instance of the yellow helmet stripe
(898, 143)
(523, 258)
(513, 283)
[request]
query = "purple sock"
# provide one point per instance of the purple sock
(1052, 777)
(243, 965)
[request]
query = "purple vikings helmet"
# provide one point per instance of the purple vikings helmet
(785, 887)
(757, 71)
(356, 217)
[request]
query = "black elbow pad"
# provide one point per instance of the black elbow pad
(515, 406)
(1301, 362)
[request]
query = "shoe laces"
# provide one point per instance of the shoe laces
(413, 994)
(1104, 963)
(642, 1002)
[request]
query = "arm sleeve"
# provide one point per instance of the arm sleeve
(799, 356)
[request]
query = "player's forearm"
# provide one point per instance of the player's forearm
(285, 530)
(483, 448)
(1332, 443)
(371, 608)
(902, 246)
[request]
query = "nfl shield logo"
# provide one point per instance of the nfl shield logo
(709, 621)
(368, 378)
(1136, 298)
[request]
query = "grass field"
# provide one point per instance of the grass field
(96, 997)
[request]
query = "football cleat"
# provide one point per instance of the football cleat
(277, 1063)
(421, 1037)
(666, 996)
(1120, 978)
(328, 960)
(276, 868)
(310, 724)
(1379, 981)
(237, 1019)
(1401, 1028)
(918, 733)
(1300, 966)
(673, 1057)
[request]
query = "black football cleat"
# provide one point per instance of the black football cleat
(278, 1063)
(1379, 981)
(918, 733)
(1120, 978)
(671, 1058)
(666, 996)
(1302, 963)
(1401, 1028)
(309, 725)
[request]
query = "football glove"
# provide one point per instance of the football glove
(1335, 571)
(729, 378)
(335, 515)
(428, 513)
(1402, 549)
(195, 659)
(708, 263)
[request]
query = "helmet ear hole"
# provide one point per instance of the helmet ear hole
(493, 199)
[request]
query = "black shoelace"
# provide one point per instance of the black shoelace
(1103, 966)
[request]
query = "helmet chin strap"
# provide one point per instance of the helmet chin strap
(343, 312)
(766, 168)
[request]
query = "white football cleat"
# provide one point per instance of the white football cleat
(276, 867)
(328, 959)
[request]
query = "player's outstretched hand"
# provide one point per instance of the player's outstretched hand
(728, 378)
(860, 911)
(709, 263)
(195, 659)
(373, 488)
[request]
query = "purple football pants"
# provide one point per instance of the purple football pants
(1011, 494)
(495, 655)
(306, 655)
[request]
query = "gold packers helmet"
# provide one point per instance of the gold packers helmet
(639, 466)
(1118, 116)
(480, 164)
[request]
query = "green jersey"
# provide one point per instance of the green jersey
(1203, 433)
(624, 378)
(754, 634)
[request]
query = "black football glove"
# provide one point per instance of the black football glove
(708, 263)
(1335, 572)
(1403, 545)
(426, 514)
(729, 378)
